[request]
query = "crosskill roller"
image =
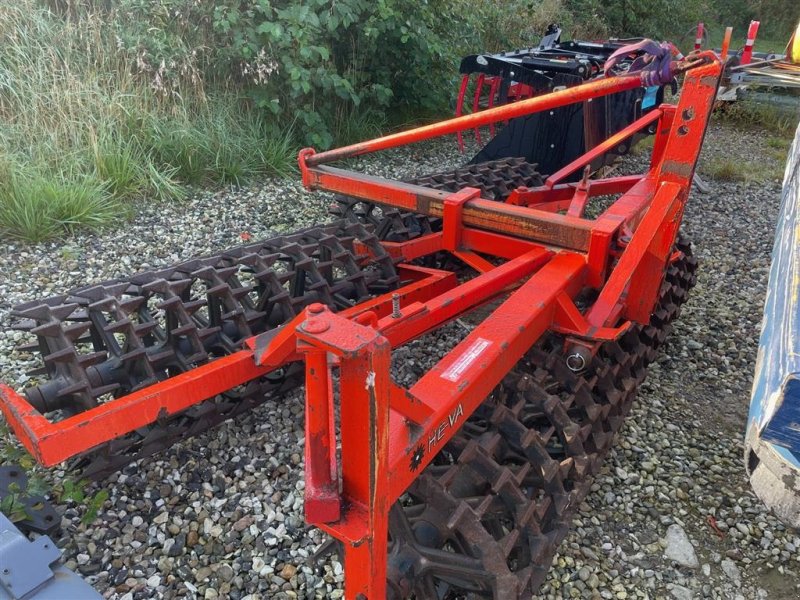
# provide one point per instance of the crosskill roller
(463, 484)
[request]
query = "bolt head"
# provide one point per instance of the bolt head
(315, 326)
(316, 308)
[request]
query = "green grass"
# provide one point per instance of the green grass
(723, 169)
(36, 206)
(82, 139)
(758, 115)
(781, 144)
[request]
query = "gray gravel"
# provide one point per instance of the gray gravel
(220, 516)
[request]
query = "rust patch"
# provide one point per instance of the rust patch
(678, 168)
(423, 204)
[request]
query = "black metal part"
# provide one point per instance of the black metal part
(553, 139)
(536, 65)
(40, 516)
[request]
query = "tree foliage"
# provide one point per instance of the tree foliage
(316, 63)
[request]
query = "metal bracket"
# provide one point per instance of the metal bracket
(41, 517)
(24, 565)
(452, 225)
(27, 570)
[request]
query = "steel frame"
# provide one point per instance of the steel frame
(550, 252)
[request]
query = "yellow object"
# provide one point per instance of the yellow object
(793, 49)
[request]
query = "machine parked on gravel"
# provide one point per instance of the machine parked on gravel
(463, 484)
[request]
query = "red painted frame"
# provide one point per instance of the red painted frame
(389, 434)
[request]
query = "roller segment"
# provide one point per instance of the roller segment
(486, 517)
(107, 340)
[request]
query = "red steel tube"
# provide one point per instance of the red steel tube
(322, 486)
(592, 89)
(604, 147)
(318, 419)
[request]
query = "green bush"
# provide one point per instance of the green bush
(658, 19)
(319, 63)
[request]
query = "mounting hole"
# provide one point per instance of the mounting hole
(13, 473)
(683, 130)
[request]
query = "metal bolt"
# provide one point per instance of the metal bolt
(396, 306)
(316, 308)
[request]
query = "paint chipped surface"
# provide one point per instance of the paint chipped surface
(370, 385)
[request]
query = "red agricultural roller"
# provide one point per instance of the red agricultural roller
(463, 484)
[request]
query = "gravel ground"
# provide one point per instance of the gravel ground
(220, 516)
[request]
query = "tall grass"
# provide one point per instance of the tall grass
(82, 137)
(749, 113)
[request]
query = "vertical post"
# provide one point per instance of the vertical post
(698, 40)
(726, 43)
(752, 32)
(365, 388)
(322, 503)
(365, 393)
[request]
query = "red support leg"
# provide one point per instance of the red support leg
(322, 484)
(365, 394)
(365, 459)
(476, 104)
